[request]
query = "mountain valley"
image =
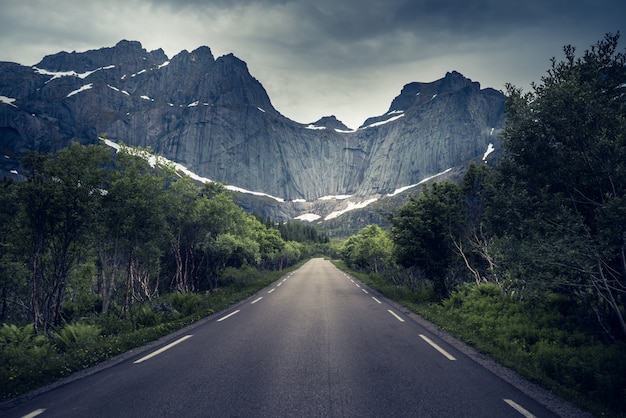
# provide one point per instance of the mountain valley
(214, 118)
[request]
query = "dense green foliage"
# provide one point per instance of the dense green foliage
(528, 257)
(90, 227)
(101, 244)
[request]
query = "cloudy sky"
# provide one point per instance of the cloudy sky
(323, 57)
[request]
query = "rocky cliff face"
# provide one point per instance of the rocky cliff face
(214, 117)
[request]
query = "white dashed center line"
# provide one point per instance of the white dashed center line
(436, 347)
(162, 349)
(228, 316)
(519, 409)
(396, 315)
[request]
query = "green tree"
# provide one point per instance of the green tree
(424, 230)
(12, 271)
(60, 200)
(133, 232)
(187, 230)
(563, 179)
(370, 249)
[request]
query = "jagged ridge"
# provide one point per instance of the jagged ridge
(212, 116)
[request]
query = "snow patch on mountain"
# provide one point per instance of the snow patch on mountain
(153, 160)
(405, 188)
(383, 122)
(490, 149)
(351, 206)
(308, 217)
(7, 100)
(59, 74)
(83, 88)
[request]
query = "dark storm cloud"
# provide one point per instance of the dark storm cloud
(321, 57)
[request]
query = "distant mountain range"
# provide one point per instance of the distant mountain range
(211, 116)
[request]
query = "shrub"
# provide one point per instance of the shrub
(25, 360)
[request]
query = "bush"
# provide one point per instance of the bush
(26, 360)
(540, 342)
(77, 337)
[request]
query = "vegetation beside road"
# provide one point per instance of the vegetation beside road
(525, 259)
(101, 252)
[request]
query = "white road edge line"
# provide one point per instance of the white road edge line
(376, 299)
(228, 316)
(34, 413)
(519, 409)
(436, 347)
(365, 290)
(396, 315)
(278, 285)
(162, 349)
(271, 290)
(256, 300)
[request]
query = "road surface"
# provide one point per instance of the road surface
(316, 343)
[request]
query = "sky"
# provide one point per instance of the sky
(327, 57)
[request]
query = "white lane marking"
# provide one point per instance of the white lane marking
(436, 347)
(228, 316)
(256, 300)
(162, 349)
(284, 280)
(278, 285)
(519, 409)
(271, 290)
(352, 280)
(376, 299)
(365, 290)
(357, 285)
(395, 314)
(34, 413)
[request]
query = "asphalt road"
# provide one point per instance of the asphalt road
(316, 343)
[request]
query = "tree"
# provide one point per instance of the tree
(133, 231)
(424, 230)
(186, 226)
(60, 201)
(370, 249)
(564, 177)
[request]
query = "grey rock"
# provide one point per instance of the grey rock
(212, 116)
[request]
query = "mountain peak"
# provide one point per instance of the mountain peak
(129, 54)
(330, 122)
(416, 93)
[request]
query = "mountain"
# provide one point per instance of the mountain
(210, 115)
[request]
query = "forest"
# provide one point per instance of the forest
(526, 258)
(98, 246)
